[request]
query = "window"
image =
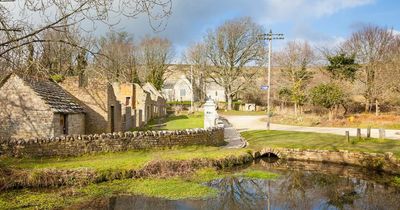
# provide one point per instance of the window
(183, 92)
(128, 100)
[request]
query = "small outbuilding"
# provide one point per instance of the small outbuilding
(32, 108)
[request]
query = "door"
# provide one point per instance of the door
(112, 119)
(64, 124)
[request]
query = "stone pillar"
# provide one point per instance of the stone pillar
(134, 119)
(210, 114)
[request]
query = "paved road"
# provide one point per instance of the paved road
(232, 136)
(243, 123)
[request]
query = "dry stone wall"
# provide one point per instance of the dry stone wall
(384, 162)
(77, 145)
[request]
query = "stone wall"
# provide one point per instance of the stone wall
(23, 114)
(93, 98)
(385, 162)
(88, 144)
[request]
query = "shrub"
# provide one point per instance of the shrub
(57, 78)
(327, 96)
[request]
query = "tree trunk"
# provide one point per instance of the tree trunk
(229, 107)
(330, 114)
(335, 114)
(295, 109)
(377, 111)
(367, 106)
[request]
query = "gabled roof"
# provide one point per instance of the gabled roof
(52, 94)
(152, 90)
(168, 85)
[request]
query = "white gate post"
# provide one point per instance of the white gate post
(210, 114)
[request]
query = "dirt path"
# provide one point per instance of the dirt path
(244, 123)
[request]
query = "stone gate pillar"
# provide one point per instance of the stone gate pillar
(210, 114)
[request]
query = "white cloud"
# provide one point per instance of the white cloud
(288, 9)
(395, 32)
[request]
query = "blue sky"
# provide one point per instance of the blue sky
(321, 22)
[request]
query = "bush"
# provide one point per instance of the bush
(326, 95)
(57, 78)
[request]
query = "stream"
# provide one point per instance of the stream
(301, 185)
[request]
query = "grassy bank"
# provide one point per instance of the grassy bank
(122, 160)
(257, 140)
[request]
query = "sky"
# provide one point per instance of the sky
(321, 22)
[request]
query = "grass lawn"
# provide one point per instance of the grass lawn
(123, 160)
(178, 122)
(241, 113)
(304, 140)
(256, 139)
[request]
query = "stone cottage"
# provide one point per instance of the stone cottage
(93, 98)
(158, 102)
(131, 106)
(178, 90)
(37, 108)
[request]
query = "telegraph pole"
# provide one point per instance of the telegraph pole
(269, 36)
(191, 84)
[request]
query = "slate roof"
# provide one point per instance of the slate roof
(57, 98)
(168, 86)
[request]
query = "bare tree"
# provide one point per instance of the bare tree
(17, 32)
(371, 45)
(119, 62)
(294, 61)
(230, 48)
(196, 56)
(155, 56)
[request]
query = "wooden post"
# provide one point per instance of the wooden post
(348, 136)
(369, 132)
(358, 133)
(381, 133)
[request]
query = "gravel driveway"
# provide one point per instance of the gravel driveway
(244, 123)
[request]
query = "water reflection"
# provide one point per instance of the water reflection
(300, 186)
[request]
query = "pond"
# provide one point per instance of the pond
(300, 185)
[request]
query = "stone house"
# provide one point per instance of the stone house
(93, 98)
(158, 102)
(181, 90)
(131, 106)
(215, 92)
(37, 108)
(178, 90)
